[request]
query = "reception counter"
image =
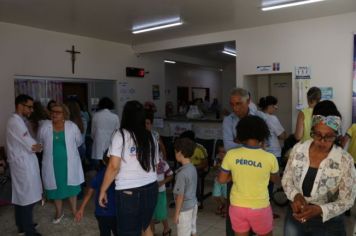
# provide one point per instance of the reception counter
(204, 128)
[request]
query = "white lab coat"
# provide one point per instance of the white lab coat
(103, 126)
(24, 168)
(73, 140)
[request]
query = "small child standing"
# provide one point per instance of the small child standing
(220, 190)
(185, 189)
(106, 217)
(251, 168)
(164, 175)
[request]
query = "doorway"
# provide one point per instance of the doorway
(75, 90)
(277, 85)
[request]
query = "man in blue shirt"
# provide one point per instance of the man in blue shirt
(240, 105)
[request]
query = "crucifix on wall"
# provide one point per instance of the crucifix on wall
(73, 52)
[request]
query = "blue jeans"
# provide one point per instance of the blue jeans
(107, 224)
(134, 209)
(314, 226)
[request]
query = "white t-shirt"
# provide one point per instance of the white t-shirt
(163, 170)
(276, 129)
(131, 174)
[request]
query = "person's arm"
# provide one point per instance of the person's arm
(80, 213)
(162, 148)
(24, 138)
(299, 128)
(287, 181)
(179, 202)
(274, 178)
(93, 127)
(347, 193)
(228, 134)
(282, 136)
(224, 175)
(77, 135)
(166, 180)
(111, 171)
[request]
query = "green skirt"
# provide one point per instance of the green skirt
(61, 170)
(161, 211)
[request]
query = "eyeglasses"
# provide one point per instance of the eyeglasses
(56, 112)
(326, 138)
(29, 107)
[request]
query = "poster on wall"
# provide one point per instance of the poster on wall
(326, 93)
(354, 84)
(126, 93)
(155, 92)
(303, 77)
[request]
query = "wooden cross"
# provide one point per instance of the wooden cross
(72, 52)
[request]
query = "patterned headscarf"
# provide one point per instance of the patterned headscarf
(334, 122)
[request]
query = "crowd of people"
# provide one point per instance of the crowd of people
(49, 150)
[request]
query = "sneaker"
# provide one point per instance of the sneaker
(58, 220)
(35, 225)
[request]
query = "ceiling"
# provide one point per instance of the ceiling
(210, 52)
(113, 19)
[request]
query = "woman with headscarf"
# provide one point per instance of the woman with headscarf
(319, 179)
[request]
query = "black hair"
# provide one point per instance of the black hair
(133, 120)
(188, 134)
(252, 127)
(37, 115)
(326, 108)
(50, 103)
(22, 98)
(314, 94)
(186, 146)
(106, 103)
(149, 115)
(267, 101)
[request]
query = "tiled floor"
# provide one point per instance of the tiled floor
(208, 223)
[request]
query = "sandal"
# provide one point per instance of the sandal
(167, 233)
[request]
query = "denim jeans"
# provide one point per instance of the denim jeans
(314, 226)
(107, 224)
(134, 209)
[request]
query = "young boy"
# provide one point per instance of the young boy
(106, 217)
(251, 168)
(185, 189)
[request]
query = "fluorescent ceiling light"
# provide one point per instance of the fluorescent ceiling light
(157, 25)
(169, 61)
(290, 4)
(229, 53)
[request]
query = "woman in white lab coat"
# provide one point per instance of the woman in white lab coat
(103, 126)
(62, 171)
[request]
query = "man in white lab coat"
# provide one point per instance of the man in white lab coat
(103, 126)
(24, 168)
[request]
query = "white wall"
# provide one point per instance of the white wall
(31, 51)
(325, 44)
(228, 82)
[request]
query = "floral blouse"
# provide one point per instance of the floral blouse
(334, 188)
